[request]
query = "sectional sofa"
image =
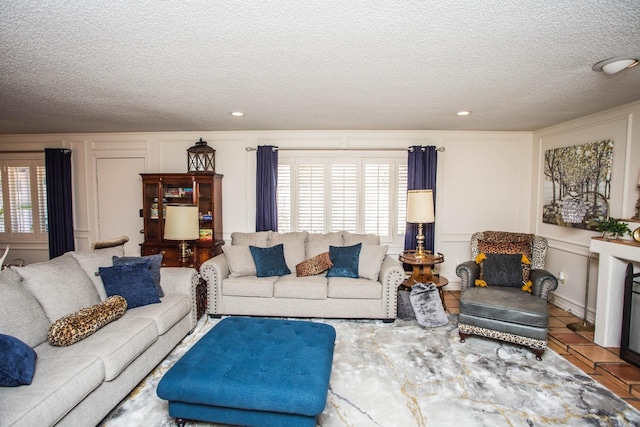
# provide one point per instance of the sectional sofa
(234, 287)
(80, 383)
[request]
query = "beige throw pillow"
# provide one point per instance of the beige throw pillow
(370, 261)
(259, 239)
(60, 285)
(318, 243)
(294, 245)
(239, 260)
(93, 260)
(351, 239)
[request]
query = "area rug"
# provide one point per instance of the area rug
(401, 374)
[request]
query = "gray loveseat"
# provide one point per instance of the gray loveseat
(235, 289)
(80, 384)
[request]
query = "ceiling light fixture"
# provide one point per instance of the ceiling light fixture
(463, 113)
(616, 64)
(237, 113)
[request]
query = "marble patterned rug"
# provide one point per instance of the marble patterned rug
(400, 374)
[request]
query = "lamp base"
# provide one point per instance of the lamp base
(581, 327)
(184, 252)
(420, 252)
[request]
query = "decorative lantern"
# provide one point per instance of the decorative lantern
(201, 158)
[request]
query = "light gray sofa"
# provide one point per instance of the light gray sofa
(78, 385)
(234, 288)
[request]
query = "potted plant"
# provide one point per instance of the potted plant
(613, 228)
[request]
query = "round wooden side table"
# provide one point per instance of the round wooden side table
(423, 271)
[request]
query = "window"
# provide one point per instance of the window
(402, 199)
(23, 200)
(356, 194)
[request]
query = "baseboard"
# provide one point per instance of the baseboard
(572, 307)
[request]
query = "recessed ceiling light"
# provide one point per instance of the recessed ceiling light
(616, 64)
(237, 113)
(463, 113)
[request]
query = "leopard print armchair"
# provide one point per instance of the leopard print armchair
(506, 312)
(543, 282)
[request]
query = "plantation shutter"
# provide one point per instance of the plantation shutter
(344, 197)
(283, 197)
(311, 197)
(402, 199)
(377, 198)
(20, 199)
(43, 218)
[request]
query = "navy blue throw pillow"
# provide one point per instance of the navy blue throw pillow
(269, 261)
(156, 263)
(17, 362)
(131, 281)
(345, 261)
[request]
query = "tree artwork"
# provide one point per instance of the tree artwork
(577, 184)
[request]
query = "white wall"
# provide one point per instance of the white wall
(484, 178)
(569, 247)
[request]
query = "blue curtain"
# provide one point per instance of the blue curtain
(266, 186)
(57, 162)
(422, 165)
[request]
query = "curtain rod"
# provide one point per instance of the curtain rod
(22, 152)
(337, 149)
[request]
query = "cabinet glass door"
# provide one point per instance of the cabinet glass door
(205, 211)
(152, 227)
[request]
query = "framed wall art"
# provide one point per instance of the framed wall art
(577, 184)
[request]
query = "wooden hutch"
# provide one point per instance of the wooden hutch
(201, 189)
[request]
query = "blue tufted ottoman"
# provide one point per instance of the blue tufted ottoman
(253, 372)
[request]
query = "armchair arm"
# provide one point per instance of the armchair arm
(543, 282)
(391, 276)
(179, 280)
(214, 270)
(468, 271)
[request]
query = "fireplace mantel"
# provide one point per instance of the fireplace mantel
(614, 256)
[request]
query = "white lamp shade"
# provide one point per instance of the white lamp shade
(181, 223)
(420, 206)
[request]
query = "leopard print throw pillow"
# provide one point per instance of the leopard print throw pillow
(77, 326)
(315, 265)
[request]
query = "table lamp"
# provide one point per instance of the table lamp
(182, 223)
(420, 211)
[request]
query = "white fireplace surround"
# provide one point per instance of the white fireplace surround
(614, 256)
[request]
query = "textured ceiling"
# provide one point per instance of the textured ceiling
(175, 65)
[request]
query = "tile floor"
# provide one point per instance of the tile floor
(601, 364)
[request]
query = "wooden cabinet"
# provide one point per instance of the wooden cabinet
(201, 189)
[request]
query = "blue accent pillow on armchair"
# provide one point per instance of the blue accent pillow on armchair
(131, 281)
(17, 362)
(345, 261)
(269, 261)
